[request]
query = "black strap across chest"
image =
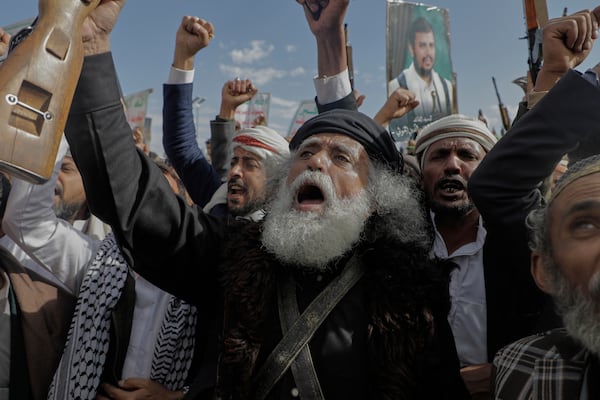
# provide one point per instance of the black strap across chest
(293, 351)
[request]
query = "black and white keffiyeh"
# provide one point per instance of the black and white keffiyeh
(80, 370)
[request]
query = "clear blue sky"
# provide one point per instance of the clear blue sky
(280, 52)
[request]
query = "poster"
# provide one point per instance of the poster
(254, 112)
(418, 59)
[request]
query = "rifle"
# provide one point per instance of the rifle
(349, 57)
(482, 117)
(503, 110)
(536, 16)
(37, 83)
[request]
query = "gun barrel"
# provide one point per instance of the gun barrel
(496, 89)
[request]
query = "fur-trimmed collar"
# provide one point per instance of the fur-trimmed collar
(405, 295)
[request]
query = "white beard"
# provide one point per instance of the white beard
(312, 240)
(580, 311)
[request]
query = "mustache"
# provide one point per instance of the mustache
(314, 178)
(236, 182)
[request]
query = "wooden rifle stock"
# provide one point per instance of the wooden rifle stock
(536, 16)
(502, 107)
(37, 83)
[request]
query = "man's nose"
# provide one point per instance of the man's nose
(453, 165)
(235, 170)
(317, 161)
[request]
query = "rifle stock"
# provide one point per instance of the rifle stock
(536, 16)
(37, 83)
(502, 107)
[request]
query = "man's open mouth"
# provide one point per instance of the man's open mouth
(451, 186)
(235, 191)
(310, 194)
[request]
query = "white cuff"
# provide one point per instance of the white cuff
(179, 76)
(332, 88)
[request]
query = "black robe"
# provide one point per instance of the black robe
(388, 338)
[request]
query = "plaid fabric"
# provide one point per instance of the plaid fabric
(548, 365)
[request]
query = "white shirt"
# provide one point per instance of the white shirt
(65, 251)
(468, 313)
(423, 91)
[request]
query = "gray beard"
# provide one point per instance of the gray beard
(313, 240)
(580, 311)
(66, 211)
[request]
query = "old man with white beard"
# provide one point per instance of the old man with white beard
(333, 296)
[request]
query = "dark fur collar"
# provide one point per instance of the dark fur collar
(405, 295)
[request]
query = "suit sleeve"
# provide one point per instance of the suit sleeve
(179, 141)
(505, 185)
(165, 240)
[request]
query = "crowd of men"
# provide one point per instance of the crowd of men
(321, 267)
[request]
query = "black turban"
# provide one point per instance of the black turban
(375, 139)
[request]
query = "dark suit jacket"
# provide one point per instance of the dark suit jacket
(505, 188)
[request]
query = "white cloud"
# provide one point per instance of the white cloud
(290, 48)
(297, 72)
(279, 102)
(283, 109)
(259, 76)
(281, 113)
(258, 50)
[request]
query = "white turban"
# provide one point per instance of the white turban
(453, 126)
(262, 141)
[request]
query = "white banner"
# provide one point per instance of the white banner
(136, 106)
(306, 110)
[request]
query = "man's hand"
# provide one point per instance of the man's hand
(398, 104)
(331, 17)
(193, 35)
(234, 93)
(360, 98)
(99, 24)
(478, 380)
(138, 389)
(329, 33)
(567, 41)
(4, 41)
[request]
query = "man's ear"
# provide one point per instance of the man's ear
(541, 276)
(411, 50)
